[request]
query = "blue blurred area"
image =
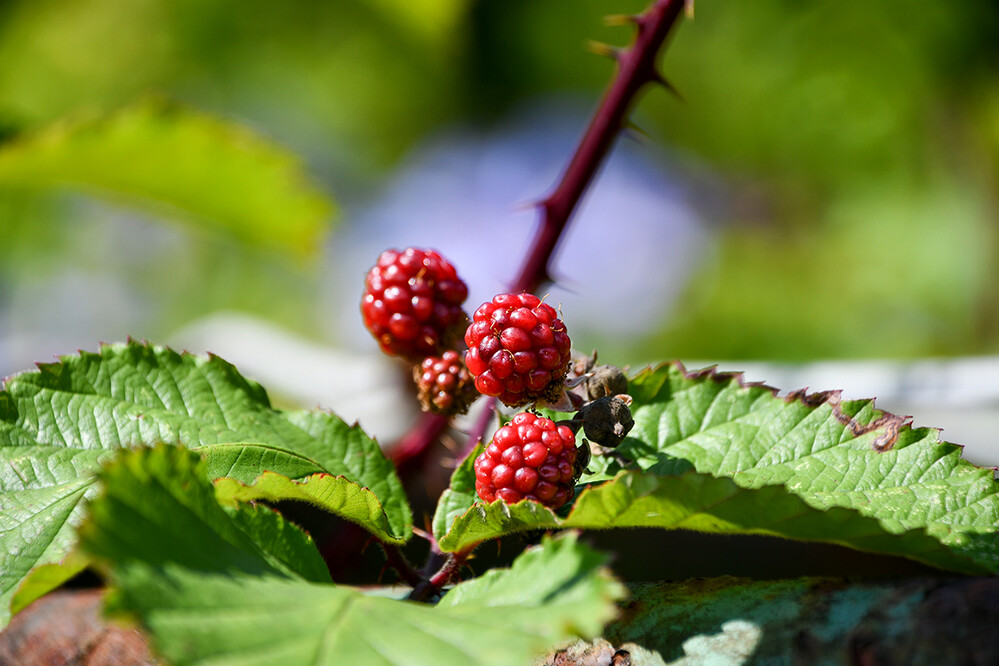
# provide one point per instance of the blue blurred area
(621, 264)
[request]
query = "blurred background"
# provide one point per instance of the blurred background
(819, 208)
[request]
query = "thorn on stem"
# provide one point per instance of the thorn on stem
(659, 79)
(637, 133)
(619, 20)
(601, 49)
(689, 9)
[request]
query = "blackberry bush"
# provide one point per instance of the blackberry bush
(162, 472)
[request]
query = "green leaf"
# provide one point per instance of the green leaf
(242, 619)
(333, 493)
(214, 172)
(459, 496)
(720, 456)
(59, 423)
(157, 506)
(281, 541)
(544, 579)
(204, 591)
(827, 451)
(46, 578)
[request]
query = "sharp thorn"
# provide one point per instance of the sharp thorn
(689, 9)
(618, 20)
(636, 133)
(661, 80)
(528, 205)
(602, 49)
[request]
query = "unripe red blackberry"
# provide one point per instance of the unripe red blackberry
(530, 458)
(412, 303)
(518, 349)
(443, 384)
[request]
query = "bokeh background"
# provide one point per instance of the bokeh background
(819, 208)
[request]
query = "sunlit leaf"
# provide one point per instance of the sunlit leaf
(183, 568)
(714, 455)
(208, 171)
(59, 423)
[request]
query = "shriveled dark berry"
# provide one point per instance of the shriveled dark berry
(529, 458)
(412, 303)
(606, 421)
(443, 384)
(518, 349)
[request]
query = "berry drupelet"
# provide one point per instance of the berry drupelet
(412, 303)
(518, 350)
(529, 458)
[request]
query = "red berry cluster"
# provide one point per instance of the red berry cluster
(518, 349)
(443, 384)
(530, 458)
(412, 303)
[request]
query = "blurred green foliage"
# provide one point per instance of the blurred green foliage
(845, 152)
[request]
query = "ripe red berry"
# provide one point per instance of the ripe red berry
(530, 458)
(412, 303)
(518, 349)
(443, 384)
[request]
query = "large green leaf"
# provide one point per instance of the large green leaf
(718, 456)
(158, 506)
(213, 171)
(57, 425)
(180, 564)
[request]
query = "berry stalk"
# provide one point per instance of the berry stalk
(636, 67)
(448, 572)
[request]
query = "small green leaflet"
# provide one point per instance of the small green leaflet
(203, 593)
(60, 423)
(214, 172)
(715, 455)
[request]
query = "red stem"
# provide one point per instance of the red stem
(636, 68)
(448, 572)
(417, 441)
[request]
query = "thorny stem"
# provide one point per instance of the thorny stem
(448, 571)
(418, 439)
(636, 67)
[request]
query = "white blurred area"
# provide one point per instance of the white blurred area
(369, 388)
